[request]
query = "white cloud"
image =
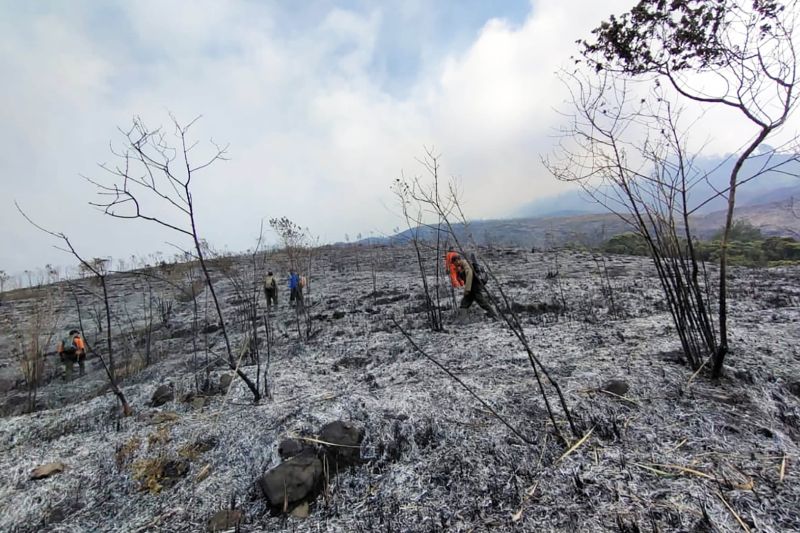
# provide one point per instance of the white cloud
(317, 130)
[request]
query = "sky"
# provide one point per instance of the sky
(323, 105)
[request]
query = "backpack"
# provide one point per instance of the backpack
(478, 270)
(69, 344)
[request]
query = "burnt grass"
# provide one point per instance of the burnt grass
(678, 453)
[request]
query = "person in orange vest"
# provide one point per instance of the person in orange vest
(473, 287)
(72, 350)
(452, 269)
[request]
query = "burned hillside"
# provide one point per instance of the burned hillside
(659, 447)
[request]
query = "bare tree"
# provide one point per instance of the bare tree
(426, 200)
(645, 179)
(97, 269)
(293, 237)
(737, 55)
(154, 167)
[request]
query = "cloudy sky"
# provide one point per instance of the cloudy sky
(323, 104)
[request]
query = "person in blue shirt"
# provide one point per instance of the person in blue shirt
(295, 289)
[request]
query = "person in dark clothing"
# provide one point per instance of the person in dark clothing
(271, 290)
(72, 350)
(473, 287)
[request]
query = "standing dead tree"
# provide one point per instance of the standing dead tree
(155, 169)
(734, 55)
(408, 193)
(446, 208)
(98, 270)
(645, 179)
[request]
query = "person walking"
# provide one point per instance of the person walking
(72, 350)
(295, 289)
(271, 290)
(473, 287)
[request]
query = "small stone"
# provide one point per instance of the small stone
(198, 403)
(224, 520)
(301, 511)
(162, 395)
(225, 381)
(47, 470)
(794, 388)
(615, 386)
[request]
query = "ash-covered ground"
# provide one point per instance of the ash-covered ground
(677, 453)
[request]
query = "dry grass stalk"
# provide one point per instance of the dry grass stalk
(733, 512)
(317, 441)
(575, 446)
(783, 468)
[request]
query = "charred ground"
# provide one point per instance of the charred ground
(678, 453)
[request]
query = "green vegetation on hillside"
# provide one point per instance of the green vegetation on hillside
(747, 247)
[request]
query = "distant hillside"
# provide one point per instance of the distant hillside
(775, 218)
(770, 187)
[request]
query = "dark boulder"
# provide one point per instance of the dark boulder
(291, 447)
(162, 395)
(294, 481)
(342, 442)
(617, 387)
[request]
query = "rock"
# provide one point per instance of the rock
(301, 511)
(187, 397)
(338, 314)
(162, 395)
(198, 402)
(47, 470)
(7, 385)
(291, 447)
(615, 386)
(344, 442)
(211, 328)
(794, 388)
(296, 480)
(225, 381)
(224, 520)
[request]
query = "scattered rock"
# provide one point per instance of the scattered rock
(224, 520)
(343, 442)
(211, 328)
(338, 314)
(291, 447)
(162, 395)
(794, 388)
(47, 470)
(225, 381)
(7, 385)
(291, 482)
(301, 511)
(198, 402)
(615, 386)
